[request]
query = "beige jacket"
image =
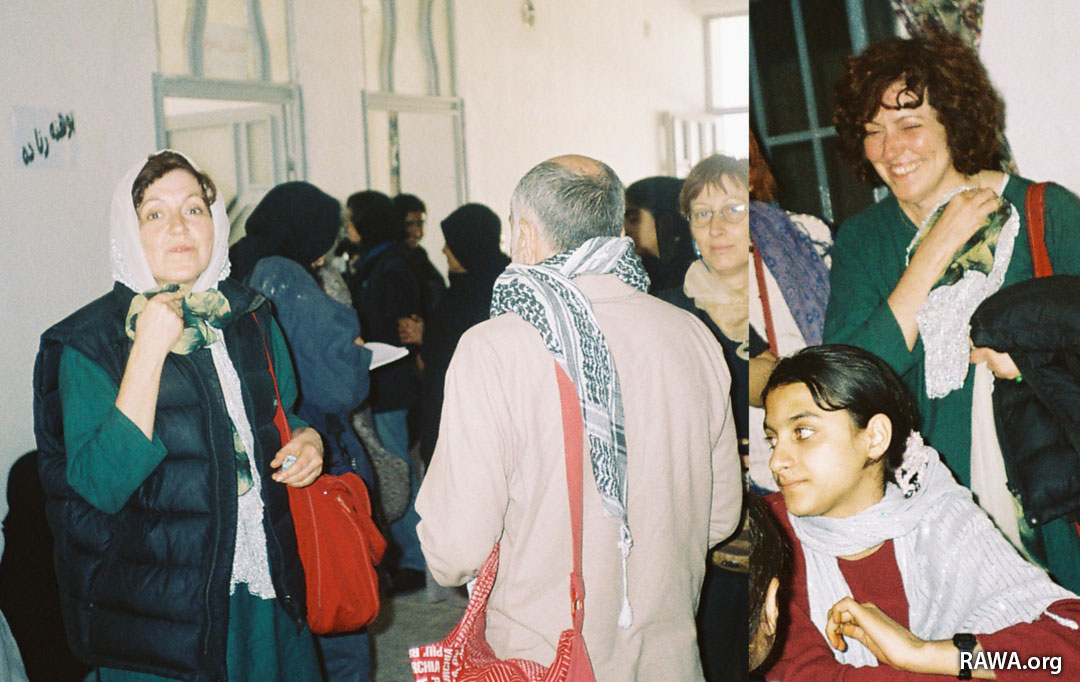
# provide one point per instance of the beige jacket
(498, 474)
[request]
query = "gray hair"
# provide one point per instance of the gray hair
(569, 207)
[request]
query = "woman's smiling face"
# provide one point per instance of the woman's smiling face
(175, 228)
(824, 464)
(909, 149)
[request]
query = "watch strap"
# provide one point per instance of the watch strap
(964, 641)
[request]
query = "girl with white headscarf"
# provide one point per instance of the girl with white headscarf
(164, 471)
(896, 570)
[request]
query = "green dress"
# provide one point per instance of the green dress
(108, 458)
(867, 262)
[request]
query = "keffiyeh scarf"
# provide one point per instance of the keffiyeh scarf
(977, 270)
(545, 296)
(960, 574)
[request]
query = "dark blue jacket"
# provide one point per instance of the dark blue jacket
(1037, 322)
(332, 370)
(384, 290)
(147, 588)
(737, 356)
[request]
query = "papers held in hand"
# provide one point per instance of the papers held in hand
(384, 353)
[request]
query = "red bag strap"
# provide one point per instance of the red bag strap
(763, 291)
(280, 420)
(573, 438)
(1035, 213)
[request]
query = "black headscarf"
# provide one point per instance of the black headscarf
(659, 196)
(472, 234)
(296, 220)
(376, 218)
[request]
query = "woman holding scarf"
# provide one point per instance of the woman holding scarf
(921, 117)
(164, 471)
(896, 570)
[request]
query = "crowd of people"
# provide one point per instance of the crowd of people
(793, 459)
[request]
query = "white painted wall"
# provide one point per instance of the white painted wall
(1031, 52)
(588, 77)
(329, 54)
(54, 223)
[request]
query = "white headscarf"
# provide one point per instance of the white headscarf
(130, 268)
(129, 265)
(960, 574)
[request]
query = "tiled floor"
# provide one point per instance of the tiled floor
(405, 621)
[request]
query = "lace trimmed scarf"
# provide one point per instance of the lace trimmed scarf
(129, 267)
(545, 296)
(960, 574)
(977, 270)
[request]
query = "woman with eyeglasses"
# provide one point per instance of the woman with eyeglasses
(714, 198)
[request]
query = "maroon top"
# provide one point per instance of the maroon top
(805, 655)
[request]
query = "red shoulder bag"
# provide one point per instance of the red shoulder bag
(338, 542)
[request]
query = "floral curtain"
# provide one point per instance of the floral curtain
(962, 18)
(959, 17)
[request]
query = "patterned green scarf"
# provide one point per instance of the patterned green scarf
(205, 313)
(977, 253)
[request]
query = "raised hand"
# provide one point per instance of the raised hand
(160, 324)
(962, 218)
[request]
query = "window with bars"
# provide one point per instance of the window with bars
(723, 127)
(796, 54)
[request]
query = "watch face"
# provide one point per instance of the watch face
(965, 641)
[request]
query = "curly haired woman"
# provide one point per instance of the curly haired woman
(921, 117)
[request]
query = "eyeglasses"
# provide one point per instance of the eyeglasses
(734, 212)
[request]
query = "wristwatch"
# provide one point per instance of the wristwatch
(964, 641)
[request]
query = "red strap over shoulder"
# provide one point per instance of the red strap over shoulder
(280, 420)
(763, 291)
(573, 439)
(1035, 213)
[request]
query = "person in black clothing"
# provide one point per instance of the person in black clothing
(660, 232)
(384, 290)
(475, 261)
(432, 287)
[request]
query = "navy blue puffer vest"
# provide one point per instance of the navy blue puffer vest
(147, 588)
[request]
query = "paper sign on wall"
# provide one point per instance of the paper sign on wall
(43, 138)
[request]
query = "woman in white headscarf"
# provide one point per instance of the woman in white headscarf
(165, 473)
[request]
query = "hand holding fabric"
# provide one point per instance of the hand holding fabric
(1001, 364)
(160, 324)
(965, 214)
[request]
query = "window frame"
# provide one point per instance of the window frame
(815, 133)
